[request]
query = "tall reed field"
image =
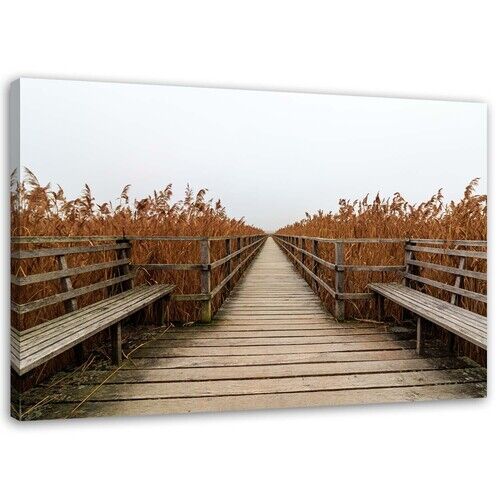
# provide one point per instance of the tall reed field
(394, 217)
(38, 210)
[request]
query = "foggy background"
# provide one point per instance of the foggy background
(269, 156)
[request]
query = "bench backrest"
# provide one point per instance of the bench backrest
(457, 269)
(110, 276)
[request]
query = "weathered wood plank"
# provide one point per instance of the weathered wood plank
(466, 324)
(223, 334)
(448, 251)
(449, 288)
(71, 294)
(79, 315)
(267, 401)
(234, 387)
(277, 359)
(439, 307)
(448, 269)
(264, 341)
(36, 348)
(141, 375)
(71, 271)
(43, 337)
(152, 350)
(47, 252)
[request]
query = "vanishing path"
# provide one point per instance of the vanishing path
(272, 345)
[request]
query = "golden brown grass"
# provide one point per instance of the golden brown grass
(396, 218)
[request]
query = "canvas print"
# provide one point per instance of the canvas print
(181, 249)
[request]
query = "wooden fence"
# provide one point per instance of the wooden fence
(311, 264)
(238, 252)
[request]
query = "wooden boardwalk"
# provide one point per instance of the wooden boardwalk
(272, 345)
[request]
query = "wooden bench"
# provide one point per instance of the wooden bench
(448, 315)
(33, 347)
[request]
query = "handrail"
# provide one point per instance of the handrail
(206, 266)
(298, 254)
(330, 290)
(385, 240)
(231, 256)
(344, 267)
(75, 239)
(446, 251)
(221, 285)
(343, 240)
(245, 243)
(70, 239)
(339, 267)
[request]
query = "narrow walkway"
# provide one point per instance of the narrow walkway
(272, 345)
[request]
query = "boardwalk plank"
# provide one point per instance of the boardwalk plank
(233, 387)
(267, 401)
(139, 375)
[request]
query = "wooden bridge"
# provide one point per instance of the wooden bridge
(271, 345)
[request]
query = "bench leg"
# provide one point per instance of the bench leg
(380, 307)
(161, 307)
(420, 337)
(451, 342)
(79, 354)
(116, 344)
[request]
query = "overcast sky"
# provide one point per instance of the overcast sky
(269, 156)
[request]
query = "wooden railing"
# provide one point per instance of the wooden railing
(415, 261)
(233, 262)
(294, 247)
(238, 253)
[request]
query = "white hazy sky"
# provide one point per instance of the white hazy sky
(269, 156)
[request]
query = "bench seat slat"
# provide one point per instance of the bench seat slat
(446, 320)
(474, 320)
(92, 317)
(76, 316)
(57, 336)
(423, 302)
(466, 324)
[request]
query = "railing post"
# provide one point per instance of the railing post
(303, 256)
(454, 299)
(238, 247)
(458, 282)
(206, 285)
(124, 269)
(70, 305)
(408, 266)
(66, 285)
(229, 264)
(339, 281)
(409, 269)
(314, 266)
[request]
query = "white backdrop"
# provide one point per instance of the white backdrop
(427, 49)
